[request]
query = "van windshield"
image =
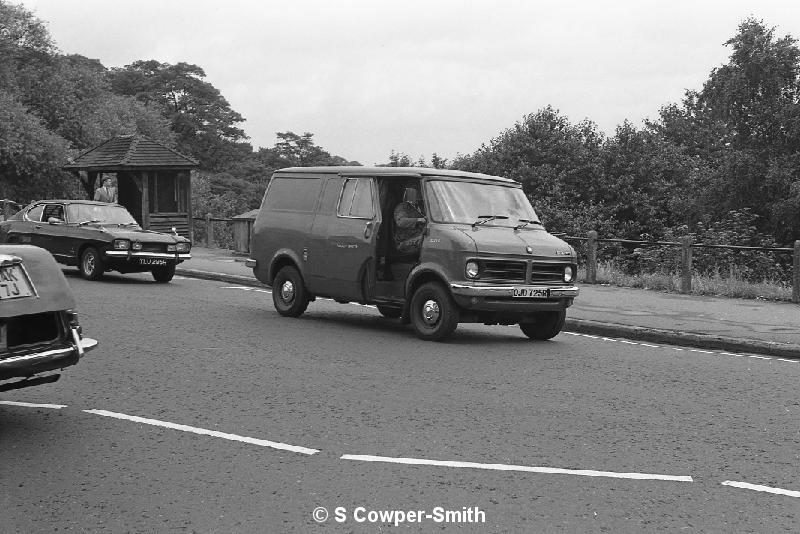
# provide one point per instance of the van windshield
(469, 202)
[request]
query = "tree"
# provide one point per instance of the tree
(202, 118)
(30, 156)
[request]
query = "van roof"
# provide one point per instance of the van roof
(400, 173)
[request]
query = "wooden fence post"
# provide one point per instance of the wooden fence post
(796, 273)
(686, 265)
(591, 257)
(209, 231)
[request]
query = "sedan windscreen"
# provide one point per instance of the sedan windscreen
(80, 213)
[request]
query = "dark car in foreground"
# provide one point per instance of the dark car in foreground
(96, 237)
(39, 330)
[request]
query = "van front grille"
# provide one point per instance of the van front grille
(503, 270)
(547, 272)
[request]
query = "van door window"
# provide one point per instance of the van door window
(356, 199)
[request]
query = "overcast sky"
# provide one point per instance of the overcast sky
(366, 77)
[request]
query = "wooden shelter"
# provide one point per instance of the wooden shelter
(153, 181)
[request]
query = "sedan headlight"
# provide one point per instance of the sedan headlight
(172, 248)
(569, 273)
(184, 247)
(473, 269)
(121, 244)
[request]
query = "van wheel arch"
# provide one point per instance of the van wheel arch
(280, 263)
(416, 282)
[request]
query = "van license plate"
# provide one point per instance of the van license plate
(530, 293)
(14, 283)
(152, 261)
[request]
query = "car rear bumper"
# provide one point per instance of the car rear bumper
(40, 361)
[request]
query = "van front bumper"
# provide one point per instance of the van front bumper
(501, 298)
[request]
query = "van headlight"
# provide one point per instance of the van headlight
(569, 273)
(473, 269)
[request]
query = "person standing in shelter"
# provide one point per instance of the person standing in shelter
(106, 193)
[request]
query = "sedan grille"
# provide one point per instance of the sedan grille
(154, 247)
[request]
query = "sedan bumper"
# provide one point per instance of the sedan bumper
(129, 255)
(40, 361)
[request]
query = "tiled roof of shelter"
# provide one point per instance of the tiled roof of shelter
(130, 152)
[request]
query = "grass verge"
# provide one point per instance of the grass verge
(717, 285)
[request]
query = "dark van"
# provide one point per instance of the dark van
(433, 247)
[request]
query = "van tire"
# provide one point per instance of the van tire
(546, 325)
(434, 313)
(289, 293)
(91, 264)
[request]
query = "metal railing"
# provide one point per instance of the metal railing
(686, 245)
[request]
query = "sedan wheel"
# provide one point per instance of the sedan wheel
(91, 264)
(163, 274)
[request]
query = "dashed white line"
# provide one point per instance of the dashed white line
(522, 468)
(205, 432)
(757, 487)
(34, 405)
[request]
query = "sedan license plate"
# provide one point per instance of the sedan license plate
(14, 283)
(530, 293)
(152, 261)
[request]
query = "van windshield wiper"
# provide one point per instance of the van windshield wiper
(525, 222)
(483, 219)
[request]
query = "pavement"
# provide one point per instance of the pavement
(716, 323)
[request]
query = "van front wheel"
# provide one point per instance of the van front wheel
(289, 293)
(546, 325)
(434, 314)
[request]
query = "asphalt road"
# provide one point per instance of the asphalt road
(204, 411)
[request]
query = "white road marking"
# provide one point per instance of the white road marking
(33, 405)
(759, 357)
(523, 468)
(205, 432)
(785, 360)
(703, 351)
(245, 288)
(767, 489)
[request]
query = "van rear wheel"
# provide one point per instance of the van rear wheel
(546, 325)
(434, 313)
(289, 293)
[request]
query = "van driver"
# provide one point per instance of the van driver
(409, 222)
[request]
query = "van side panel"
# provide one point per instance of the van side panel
(318, 258)
(284, 221)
